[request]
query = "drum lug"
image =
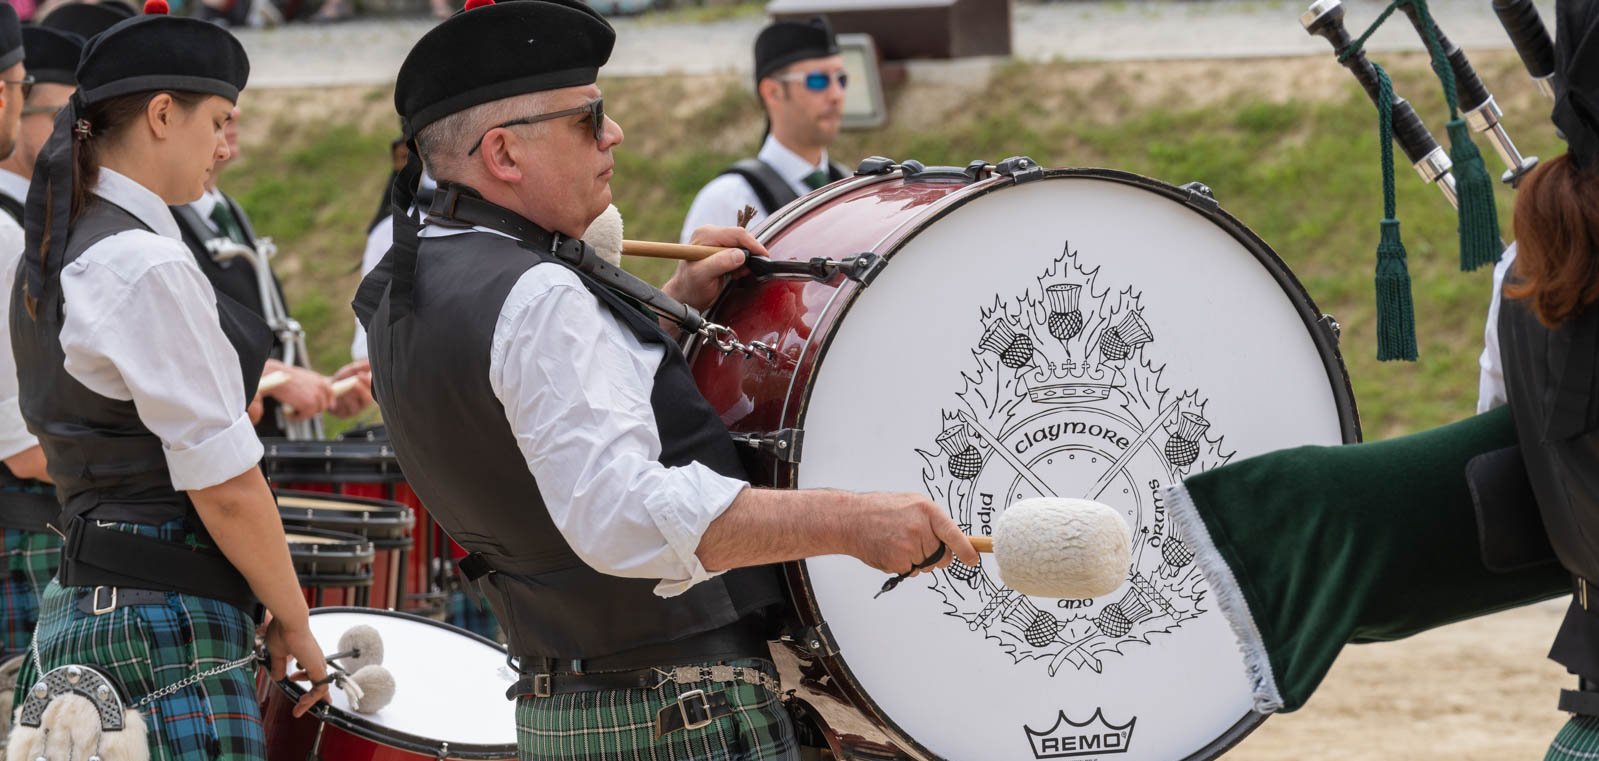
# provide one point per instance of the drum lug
(1330, 323)
(1021, 169)
(784, 444)
(1200, 196)
(817, 640)
(875, 165)
(972, 172)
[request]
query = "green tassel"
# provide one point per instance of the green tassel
(1479, 221)
(1396, 313)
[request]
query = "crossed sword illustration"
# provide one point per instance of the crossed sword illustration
(1076, 648)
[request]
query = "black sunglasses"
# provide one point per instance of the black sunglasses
(594, 108)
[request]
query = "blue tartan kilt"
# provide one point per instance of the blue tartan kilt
(31, 561)
(149, 647)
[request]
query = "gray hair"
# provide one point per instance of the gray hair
(444, 143)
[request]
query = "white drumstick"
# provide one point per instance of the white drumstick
(344, 385)
(272, 381)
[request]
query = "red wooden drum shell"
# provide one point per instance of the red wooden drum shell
(1078, 333)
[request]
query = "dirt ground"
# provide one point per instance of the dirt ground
(1480, 689)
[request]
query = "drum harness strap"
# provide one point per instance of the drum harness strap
(459, 204)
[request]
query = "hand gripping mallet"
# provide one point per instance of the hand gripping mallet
(1054, 547)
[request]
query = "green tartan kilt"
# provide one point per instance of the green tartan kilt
(31, 562)
(1577, 741)
(619, 725)
(148, 647)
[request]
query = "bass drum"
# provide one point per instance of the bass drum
(1006, 333)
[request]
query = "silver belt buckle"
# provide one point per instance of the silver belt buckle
(541, 686)
(97, 608)
(682, 708)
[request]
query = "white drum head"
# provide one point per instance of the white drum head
(448, 685)
(1174, 350)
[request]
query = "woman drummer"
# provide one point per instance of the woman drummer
(134, 375)
(1543, 358)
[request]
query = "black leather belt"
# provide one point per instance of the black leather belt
(95, 556)
(98, 601)
(1583, 701)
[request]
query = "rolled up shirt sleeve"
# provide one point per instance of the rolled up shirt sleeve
(145, 329)
(576, 387)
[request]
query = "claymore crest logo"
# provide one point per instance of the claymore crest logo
(1065, 397)
(1068, 739)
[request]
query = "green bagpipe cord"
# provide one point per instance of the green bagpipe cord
(1310, 548)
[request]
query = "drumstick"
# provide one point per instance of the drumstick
(679, 251)
(271, 381)
(343, 386)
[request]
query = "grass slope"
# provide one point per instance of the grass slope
(1289, 147)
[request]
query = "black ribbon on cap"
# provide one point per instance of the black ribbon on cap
(49, 206)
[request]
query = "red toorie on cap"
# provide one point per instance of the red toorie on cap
(156, 7)
(474, 4)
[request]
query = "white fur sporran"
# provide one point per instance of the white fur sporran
(76, 713)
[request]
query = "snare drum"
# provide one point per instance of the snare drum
(1000, 336)
(335, 568)
(366, 466)
(449, 700)
(386, 524)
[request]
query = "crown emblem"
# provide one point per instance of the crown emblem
(1094, 737)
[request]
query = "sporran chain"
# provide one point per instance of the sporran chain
(38, 668)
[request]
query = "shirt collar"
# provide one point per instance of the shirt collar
(14, 185)
(206, 203)
(137, 200)
(788, 163)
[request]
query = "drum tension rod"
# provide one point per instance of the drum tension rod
(862, 268)
(784, 444)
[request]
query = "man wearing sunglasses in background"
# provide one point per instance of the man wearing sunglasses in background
(52, 55)
(799, 77)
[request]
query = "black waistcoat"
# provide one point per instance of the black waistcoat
(234, 278)
(431, 377)
(106, 464)
(1553, 388)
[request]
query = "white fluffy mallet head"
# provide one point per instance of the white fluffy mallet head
(605, 235)
(1062, 548)
(365, 640)
(376, 688)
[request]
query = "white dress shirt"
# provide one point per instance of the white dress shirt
(575, 384)
(1491, 381)
(14, 436)
(205, 204)
(377, 244)
(141, 325)
(14, 185)
(720, 201)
